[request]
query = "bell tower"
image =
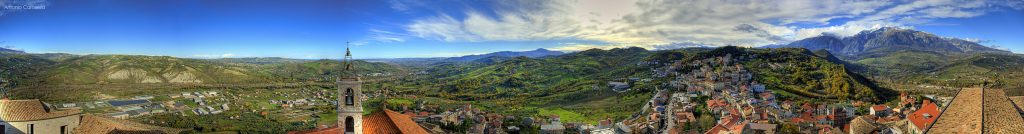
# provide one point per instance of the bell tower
(350, 107)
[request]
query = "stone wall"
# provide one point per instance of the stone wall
(48, 126)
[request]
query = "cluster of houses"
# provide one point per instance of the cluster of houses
(740, 105)
(124, 108)
(907, 117)
(202, 101)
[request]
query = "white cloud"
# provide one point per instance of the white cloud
(398, 5)
(386, 36)
(841, 30)
(653, 23)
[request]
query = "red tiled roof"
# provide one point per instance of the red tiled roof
(807, 106)
(716, 129)
(804, 117)
(738, 128)
(717, 103)
(390, 122)
(687, 116)
(918, 117)
(410, 114)
(30, 110)
(380, 122)
(879, 107)
(92, 124)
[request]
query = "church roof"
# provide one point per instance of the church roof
(390, 122)
(379, 122)
(30, 110)
(92, 124)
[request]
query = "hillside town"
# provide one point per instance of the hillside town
(717, 91)
(720, 89)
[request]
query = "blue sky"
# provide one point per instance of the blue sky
(314, 29)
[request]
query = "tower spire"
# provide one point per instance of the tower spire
(348, 57)
(347, 62)
(350, 113)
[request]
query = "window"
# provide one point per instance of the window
(63, 129)
(31, 128)
(349, 125)
(349, 97)
(3, 129)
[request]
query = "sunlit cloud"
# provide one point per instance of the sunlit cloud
(651, 23)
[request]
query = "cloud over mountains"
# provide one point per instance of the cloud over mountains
(660, 23)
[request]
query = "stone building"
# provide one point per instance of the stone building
(34, 117)
(350, 111)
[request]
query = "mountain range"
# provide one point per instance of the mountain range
(540, 52)
(6, 50)
(910, 58)
(488, 57)
(888, 40)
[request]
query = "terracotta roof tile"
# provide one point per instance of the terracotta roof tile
(716, 129)
(862, 125)
(919, 117)
(403, 122)
(92, 124)
(879, 107)
(30, 110)
(380, 122)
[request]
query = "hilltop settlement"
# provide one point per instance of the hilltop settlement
(721, 90)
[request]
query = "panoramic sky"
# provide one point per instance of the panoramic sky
(314, 29)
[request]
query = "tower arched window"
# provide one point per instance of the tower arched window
(349, 97)
(349, 125)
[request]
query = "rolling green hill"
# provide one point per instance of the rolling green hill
(575, 83)
(61, 69)
(998, 70)
(20, 68)
(106, 69)
(797, 71)
(570, 83)
(323, 70)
